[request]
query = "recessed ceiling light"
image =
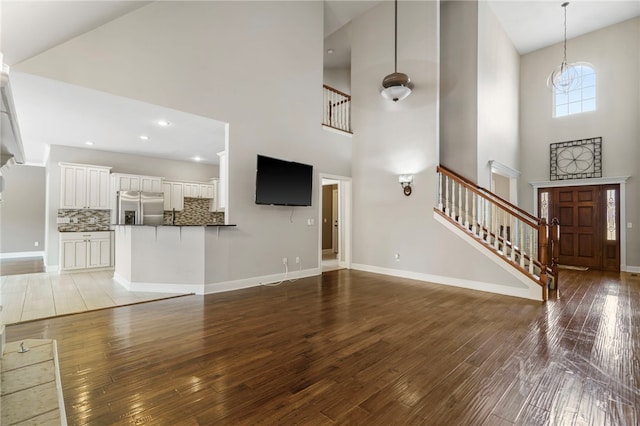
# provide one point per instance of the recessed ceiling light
(88, 143)
(330, 51)
(163, 123)
(144, 137)
(196, 158)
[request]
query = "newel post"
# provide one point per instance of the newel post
(554, 235)
(543, 253)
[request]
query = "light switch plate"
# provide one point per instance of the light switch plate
(63, 220)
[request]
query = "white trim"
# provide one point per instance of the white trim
(52, 268)
(209, 288)
(158, 287)
(451, 281)
(580, 182)
(56, 363)
(21, 254)
(257, 281)
(345, 219)
(338, 131)
(621, 180)
(633, 269)
(503, 169)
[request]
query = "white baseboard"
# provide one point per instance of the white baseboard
(52, 268)
(634, 269)
(158, 287)
(256, 281)
(22, 254)
(525, 293)
(210, 288)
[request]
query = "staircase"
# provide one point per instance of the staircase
(527, 244)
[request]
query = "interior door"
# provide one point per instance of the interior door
(589, 224)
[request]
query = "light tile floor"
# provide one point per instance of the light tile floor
(33, 296)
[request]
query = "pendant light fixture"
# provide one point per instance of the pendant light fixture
(398, 85)
(565, 76)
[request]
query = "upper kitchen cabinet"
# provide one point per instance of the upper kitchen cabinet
(173, 195)
(84, 186)
(126, 182)
(198, 190)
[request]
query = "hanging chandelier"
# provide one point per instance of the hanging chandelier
(397, 85)
(565, 76)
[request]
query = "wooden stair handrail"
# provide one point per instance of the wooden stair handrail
(472, 185)
(547, 233)
(331, 89)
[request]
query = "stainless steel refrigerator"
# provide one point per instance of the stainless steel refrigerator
(140, 208)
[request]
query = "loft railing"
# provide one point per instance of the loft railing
(525, 241)
(337, 109)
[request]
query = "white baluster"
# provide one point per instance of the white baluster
(460, 203)
(474, 226)
(466, 208)
(440, 191)
(531, 250)
(446, 196)
(496, 232)
(521, 243)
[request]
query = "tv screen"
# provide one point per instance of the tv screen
(283, 183)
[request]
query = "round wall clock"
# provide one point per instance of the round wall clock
(578, 159)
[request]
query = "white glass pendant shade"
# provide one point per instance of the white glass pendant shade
(396, 86)
(564, 78)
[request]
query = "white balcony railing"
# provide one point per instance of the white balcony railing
(337, 109)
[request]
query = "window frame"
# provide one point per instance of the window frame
(580, 90)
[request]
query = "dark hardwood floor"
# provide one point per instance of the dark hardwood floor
(357, 348)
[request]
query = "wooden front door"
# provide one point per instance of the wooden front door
(589, 224)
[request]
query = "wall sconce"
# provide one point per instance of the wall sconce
(405, 182)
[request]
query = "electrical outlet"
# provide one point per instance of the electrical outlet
(63, 220)
(629, 225)
(75, 220)
(297, 260)
(284, 260)
(92, 220)
(36, 244)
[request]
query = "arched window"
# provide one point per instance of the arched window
(581, 97)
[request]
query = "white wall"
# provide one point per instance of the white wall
(255, 65)
(458, 87)
(395, 138)
(22, 209)
(498, 81)
(338, 78)
(479, 91)
(614, 53)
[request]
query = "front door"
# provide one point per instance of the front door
(589, 224)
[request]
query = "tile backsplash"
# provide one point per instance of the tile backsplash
(84, 220)
(195, 212)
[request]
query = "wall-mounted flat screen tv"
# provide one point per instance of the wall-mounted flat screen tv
(283, 183)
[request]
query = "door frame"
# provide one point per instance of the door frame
(344, 219)
(620, 180)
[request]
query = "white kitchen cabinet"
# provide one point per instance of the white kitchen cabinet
(151, 184)
(83, 186)
(173, 195)
(191, 189)
(207, 191)
(127, 182)
(84, 250)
